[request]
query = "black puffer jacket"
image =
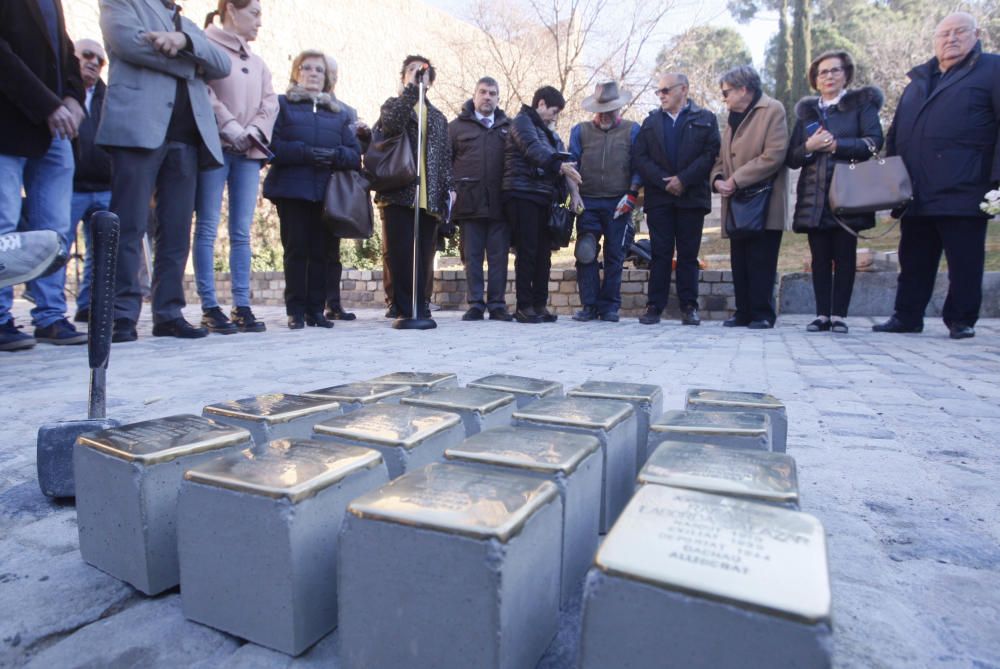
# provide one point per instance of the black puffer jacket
(477, 155)
(852, 120)
(530, 161)
(399, 115)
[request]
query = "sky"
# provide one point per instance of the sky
(688, 13)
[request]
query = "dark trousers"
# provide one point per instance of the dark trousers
(168, 175)
(386, 271)
(490, 240)
(755, 267)
(834, 261)
(303, 237)
(334, 270)
(671, 226)
(530, 222)
(399, 246)
(598, 219)
(921, 242)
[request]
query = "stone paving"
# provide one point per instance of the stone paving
(895, 438)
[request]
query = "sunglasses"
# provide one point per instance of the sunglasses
(91, 55)
(666, 89)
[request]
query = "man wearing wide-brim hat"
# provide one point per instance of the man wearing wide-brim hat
(602, 149)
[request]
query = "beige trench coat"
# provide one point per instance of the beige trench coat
(756, 154)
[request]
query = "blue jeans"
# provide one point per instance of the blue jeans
(598, 218)
(242, 175)
(83, 205)
(48, 185)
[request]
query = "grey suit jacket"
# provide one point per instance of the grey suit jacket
(142, 81)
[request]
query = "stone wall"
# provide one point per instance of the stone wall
(363, 288)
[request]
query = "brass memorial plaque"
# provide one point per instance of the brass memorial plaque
(726, 471)
(612, 390)
(389, 425)
(459, 500)
(577, 412)
(479, 400)
(517, 384)
(164, 439)
(290, 468)
(727, 398)
(712, 422)
(527, 448)
(744, 553)
(274, 408)
(418, 379)
(360, 392)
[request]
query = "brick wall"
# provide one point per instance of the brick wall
(363, 288)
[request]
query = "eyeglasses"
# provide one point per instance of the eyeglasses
(666, 89)
(319, 69)
(832, 72)
(955, 32)
(92, 55)
(726, 92)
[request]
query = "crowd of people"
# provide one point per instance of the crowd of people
(190, 113)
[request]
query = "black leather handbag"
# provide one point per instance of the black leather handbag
(388, 162)
(561, 226)
(347, 205)
(747, 216)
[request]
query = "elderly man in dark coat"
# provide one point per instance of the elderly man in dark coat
(945, 129)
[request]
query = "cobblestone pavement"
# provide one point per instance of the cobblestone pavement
(895, 438)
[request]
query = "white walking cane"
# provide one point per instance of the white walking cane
(415, 322)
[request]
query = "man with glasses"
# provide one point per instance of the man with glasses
(159, 127)
(92, 179)
(674, 154)
(946, 130)
(41, 97)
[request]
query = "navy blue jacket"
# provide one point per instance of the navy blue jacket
(300, 127)
(697, 149)
(948, 137)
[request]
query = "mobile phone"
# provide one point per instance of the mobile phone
(261, 146)
(812, 128)
(564, 156)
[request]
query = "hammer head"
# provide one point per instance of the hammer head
(54, 453)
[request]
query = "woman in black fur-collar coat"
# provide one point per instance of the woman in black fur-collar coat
(839, 125)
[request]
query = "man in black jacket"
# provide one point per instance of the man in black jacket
(40, 111)
(477, 137)
(92, 179)
(674, 153)
(946, 130)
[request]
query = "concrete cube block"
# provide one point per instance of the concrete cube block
(757, 476)
(419, 382)
(646, 399)
(570, 460)
(257, 538)
(448, 567)
(613, 423)
(408, 437)
(700, 399)
(274, 416)
(746, 430)
(689, 579)
(525, 389)
(479, 408)
(127, 481)
(353, 396)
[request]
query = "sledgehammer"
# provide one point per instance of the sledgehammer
(55, 440)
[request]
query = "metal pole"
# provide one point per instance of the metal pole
(416, 204)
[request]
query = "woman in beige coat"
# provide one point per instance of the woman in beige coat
(754, 144)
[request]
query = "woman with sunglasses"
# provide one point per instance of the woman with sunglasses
(839, 125)
(245, 108)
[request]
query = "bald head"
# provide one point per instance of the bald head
(91, 55)
(954, 39)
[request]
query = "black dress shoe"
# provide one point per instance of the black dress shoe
(819, 325)
(691, 316)
(960, 331)
(735, 322)
(526, 316)
(473, 314)
(179, 328)
(610, 317)
(318, 320)
(123, 331)
(392, 311)
(760, 325)
(337, 313)
(296, 322)
(651, 317)
(546, 316)
(500, 314)
(897, 326)
(586, 314)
